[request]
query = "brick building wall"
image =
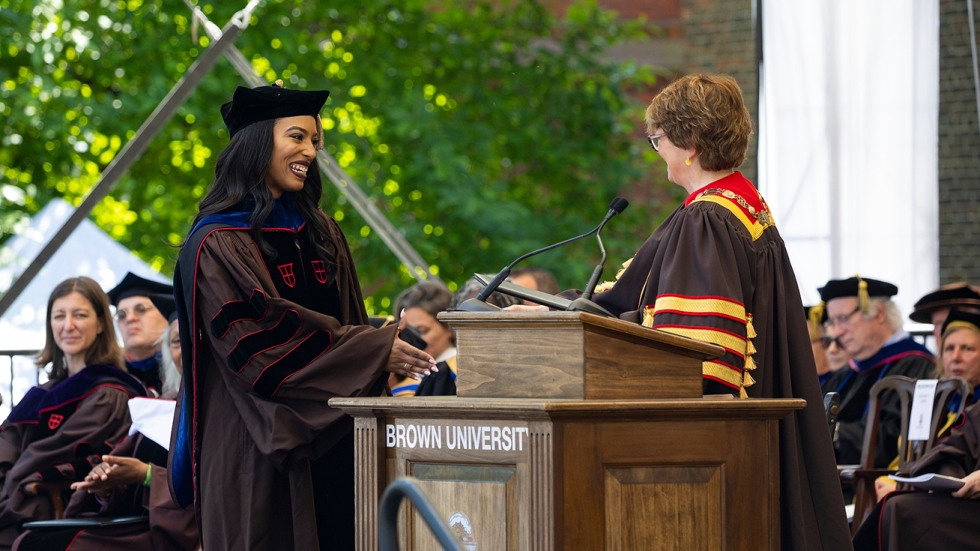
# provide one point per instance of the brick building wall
(720, 37)
(959, 147)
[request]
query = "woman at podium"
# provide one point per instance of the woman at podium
(717, 270)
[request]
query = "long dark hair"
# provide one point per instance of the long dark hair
(105, 349)
(239, 179)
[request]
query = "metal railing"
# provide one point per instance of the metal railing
(391, 500)
(25, 377)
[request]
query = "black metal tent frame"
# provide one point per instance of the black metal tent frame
(222, 46)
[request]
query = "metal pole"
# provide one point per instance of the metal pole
(390, 235)
(129, 154)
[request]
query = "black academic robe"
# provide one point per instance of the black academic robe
(147, 371)
(717, 270)
(266, 342)
(903, 357)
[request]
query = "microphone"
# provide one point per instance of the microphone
(597, 272)
(584, 302)
(479, 303)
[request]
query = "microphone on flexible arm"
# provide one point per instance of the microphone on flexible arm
(479, 302)
(584, 302)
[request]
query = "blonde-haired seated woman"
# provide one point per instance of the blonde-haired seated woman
(59, 429)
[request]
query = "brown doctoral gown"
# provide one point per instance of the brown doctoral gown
(168, 527)
(274, 338)
(908, 521)
(717, 270)
(57, 433)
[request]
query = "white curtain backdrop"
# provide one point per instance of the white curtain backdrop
(848, 139)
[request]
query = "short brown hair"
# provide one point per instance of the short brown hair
(705, 112)
(105, 349)
(431, 296)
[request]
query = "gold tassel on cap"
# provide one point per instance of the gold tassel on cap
(864, 301)
(816, 314)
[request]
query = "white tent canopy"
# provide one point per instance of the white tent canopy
(88, 251)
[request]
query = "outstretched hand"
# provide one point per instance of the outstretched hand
(406, 360)
(114, 471)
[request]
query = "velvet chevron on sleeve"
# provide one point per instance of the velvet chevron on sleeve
(267, 340)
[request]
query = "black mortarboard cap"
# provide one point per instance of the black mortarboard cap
(250, 105)
(961, 318)
(135, 286)
(947, 296)
(856, 287)
(165, 304)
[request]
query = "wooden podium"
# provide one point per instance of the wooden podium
(573, 431)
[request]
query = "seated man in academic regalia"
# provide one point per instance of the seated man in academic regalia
(865, 321)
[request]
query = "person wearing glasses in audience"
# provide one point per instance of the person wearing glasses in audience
(717, 270)
(141, 326)
(828, 353)
(60, 428)
(862, 317)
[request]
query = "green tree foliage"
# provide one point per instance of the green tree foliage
(481, 128)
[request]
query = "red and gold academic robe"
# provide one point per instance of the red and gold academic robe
(717, 270)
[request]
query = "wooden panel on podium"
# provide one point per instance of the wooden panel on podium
(572, 355)
(673, 500)
(541, 474)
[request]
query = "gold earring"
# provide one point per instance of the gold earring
(687, 161)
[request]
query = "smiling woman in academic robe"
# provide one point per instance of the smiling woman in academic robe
(273, 325)
(59, 429)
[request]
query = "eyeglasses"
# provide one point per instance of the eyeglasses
(826, 341)
(655, 140)
(843, 320)
(139, 310)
